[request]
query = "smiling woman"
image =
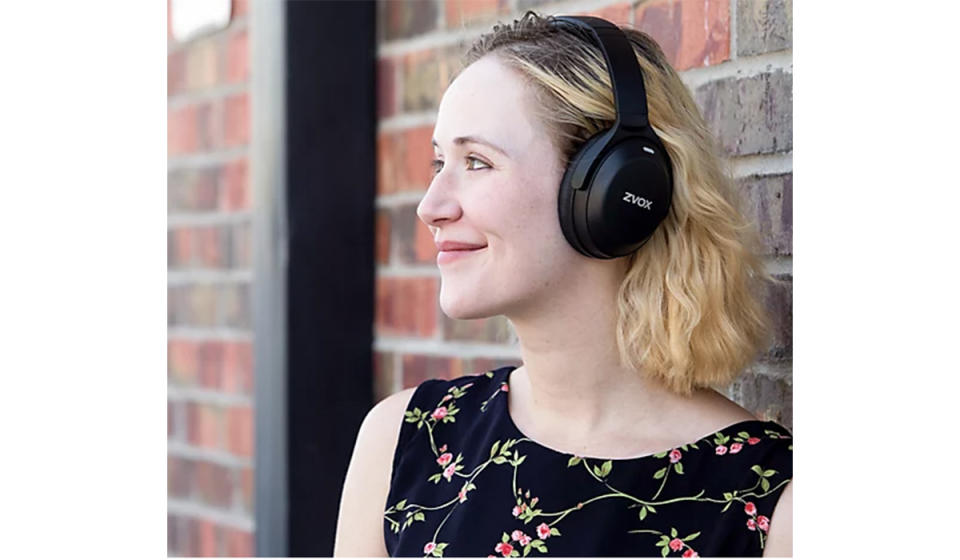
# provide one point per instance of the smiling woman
(578, 192)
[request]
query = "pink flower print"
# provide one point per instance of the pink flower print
(676, 544)
(675, 455)
(491, 556)
(543, 530)
(753, 440)
(439, 413)
(736, 447)
(504, 388)
(517, 510)
(504, 548)
(448, 472)
(534, 501)
(444, 459)
(691, 553)
(721, 449)
(467, 385)
(428, 548)
(462, 495)
(443, 448)
(447, 397)
(750, 509)
(516, 534)
(524, 539)
(751, 524)
(763, 522)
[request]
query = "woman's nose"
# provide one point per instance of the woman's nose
(437, 206)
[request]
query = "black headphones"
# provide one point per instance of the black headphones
(617, 188)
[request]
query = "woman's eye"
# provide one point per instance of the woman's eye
(437, 164)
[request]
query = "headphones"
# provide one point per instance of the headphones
(618, 187)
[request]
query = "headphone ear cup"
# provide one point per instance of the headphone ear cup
(565, 198)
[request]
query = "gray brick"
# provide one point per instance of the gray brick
(764, 26)
(750, 115)
(407, 18)
(768, 398)
(770, 200)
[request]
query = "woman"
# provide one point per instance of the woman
(609, 439)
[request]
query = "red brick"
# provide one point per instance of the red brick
(240, 422)
(203, 63)
(616, 13)
(204, 425)
(417, 369)
(239, 9)
(210, 128)
(182, 363)
(182, 249)
(238, 57)
(386, 87)
(179, 475)
(239, 543)
(383, 237)
(213, 484)
(406, 306)
(238, 368)
(246, 488)
(403, 160)
(462, 13)
(211, 364)
(182, 130)
(208, 246)
(690, 32)
(207, 538)
(236, 124)
(425, 249)
(235, 191)
(176, 72)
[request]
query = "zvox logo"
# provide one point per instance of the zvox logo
(638, 200)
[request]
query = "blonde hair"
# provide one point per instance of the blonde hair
(689, 310)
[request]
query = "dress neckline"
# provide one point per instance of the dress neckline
(502, 376)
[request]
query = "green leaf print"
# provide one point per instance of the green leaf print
(505, 538)
(744, 435)
(660, 474)
(493, 450)
(660, 455)
(673, 532)
(665, 550)
(607, 466)
(765, 484)
(678, 467)
(554, 531)
(419, 516)
(402, 504)
(664, 540)
(769, 472)
(499, 460)
(643, 513)
(573, 461)
(691, 537)
(757, 469)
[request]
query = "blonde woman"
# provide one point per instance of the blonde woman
(610, 438)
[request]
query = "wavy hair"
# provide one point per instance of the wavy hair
(690, 310)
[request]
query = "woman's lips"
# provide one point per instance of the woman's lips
(450, 256)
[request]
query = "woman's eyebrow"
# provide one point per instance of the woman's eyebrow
(460, 140)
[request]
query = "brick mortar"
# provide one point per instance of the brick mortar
(201, 219)
(745, 67)
(206, 276)
(207, 159)
(203, 95)
(233, 519)
(208, 334)
(185, 394)
(235, 26)
(182, 450)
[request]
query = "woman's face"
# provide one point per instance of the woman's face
(506, 201)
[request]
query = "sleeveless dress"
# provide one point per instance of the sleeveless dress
(467, 482)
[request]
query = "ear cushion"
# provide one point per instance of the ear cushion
(565, 197)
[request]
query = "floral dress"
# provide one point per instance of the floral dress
(467, 482)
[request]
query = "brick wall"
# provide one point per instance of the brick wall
(210, 373)
(736, 58)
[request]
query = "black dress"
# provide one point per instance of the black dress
(467, 482)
